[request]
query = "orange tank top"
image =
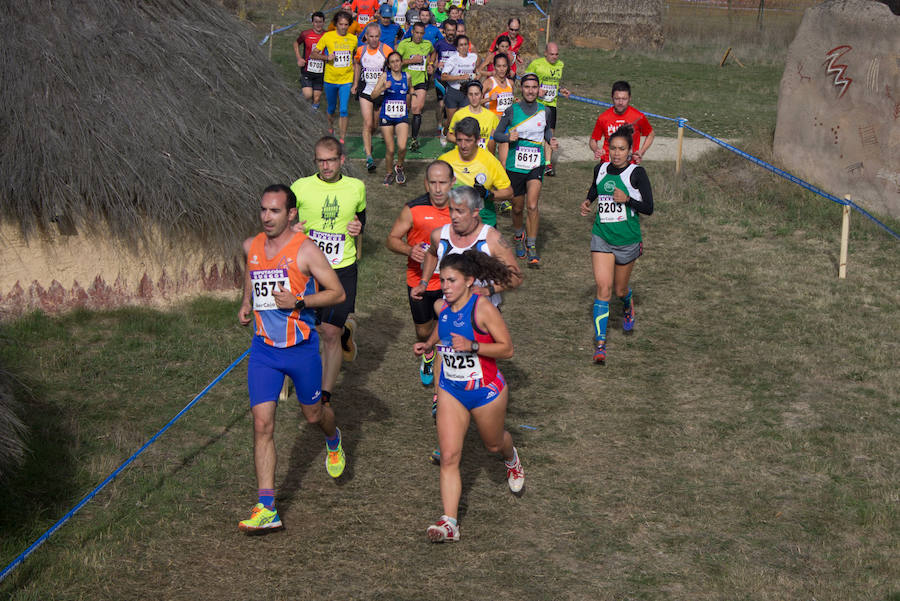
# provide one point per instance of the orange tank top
(500, 97)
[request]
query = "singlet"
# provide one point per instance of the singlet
(339, 71)
(425, 219)
(549, 76)
(459, 65)
(501, 97)
(616, 223)
(407, 49)
(527, 152)
(460, 369)
(446, 247)
(371, 64)
(276, 327)
(309, 39)
(327, 208)
(394, 104)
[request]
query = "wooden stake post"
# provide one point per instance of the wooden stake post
(271, 36)
(681, 122)
(845, 240)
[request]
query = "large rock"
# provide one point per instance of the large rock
(839, 104)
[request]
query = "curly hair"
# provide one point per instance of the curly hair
(479, 265)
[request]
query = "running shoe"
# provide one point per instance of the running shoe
(370, 165)
(628, 322)
(436, 456)
(519, 242)
(443, 141)
(399, 175)
(600, 353)
(389, 179)
(504, 207)
(341, 140)
(261, 519)
(434, 407)
(414, 144)
(348, 339)
(534, 260)
(443, 532)
(549, 170)
(335, 460)
(426, 370)
(515, 475)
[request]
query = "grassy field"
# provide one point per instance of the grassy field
(743, 444)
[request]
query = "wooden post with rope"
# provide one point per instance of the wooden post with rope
(271, 36)
(845, 239)
(681, 122)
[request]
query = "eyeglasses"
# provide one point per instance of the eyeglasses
(328, 160)
(511, 30)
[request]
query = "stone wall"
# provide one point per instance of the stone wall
(839, 103)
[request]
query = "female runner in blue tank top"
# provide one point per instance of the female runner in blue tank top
(394, 116)
(470, 337)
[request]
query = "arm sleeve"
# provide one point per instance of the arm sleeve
(548, 133)
(640, 181)
(362, 219)
(500, 134)
(592, 189)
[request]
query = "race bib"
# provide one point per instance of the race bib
(395, 109)
(504, 101)
(482, 142)
(370, 77)
(332, 245)
(527, 157)
(609, 210)
(315, 65)
(549, 92)
(459, 366)
(265, 283)
(341, 59)
(478, 2)
(400, 20)
(432, 4)
(417, 66)
(363, 19)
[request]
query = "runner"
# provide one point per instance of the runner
(470, 337)
(487, 120)
(410, 236)
(458, 68)
(486, 68)
(416, 52)
(549, 70)
(498, 92)
(363, 11)
(439, 10)
(286, 278)
(513, 27)
(311, 71)
(615, 117)
(332, 212)
(432, 31)
(476, 167)
(368, 67)
(401, 7)
(525, 126)
(336, 49)
(444, 49)
(390, 31)
(622, 190)
(393, 116)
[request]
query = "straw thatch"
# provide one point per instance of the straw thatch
(483, 23)
(119, 112)
(609, 24)
(146, 125)
(12, 430)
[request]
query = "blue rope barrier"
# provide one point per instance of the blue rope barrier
(285, 28)
(682, 122)
(43, 538)
(535, 4)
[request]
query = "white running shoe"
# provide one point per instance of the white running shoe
(443, 531)
(515, 475)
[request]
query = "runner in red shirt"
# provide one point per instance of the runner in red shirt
(615, 117)
(363, 11)
(311, 74)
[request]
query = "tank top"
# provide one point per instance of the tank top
(446, 247)
(371, 65)
(459, 369)
(280, 328)
(616, 223)
(501, 97)
(394, 105)
(527, 152)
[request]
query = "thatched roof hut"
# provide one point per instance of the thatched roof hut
(609, 24)
(136, 137)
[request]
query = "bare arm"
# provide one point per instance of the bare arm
(503, 193)
(380, 86)
(648, 141)
(503, 251)
(396, 237)
(245, 313)
(324, 275)
(488, 318)
(429, 262)
(300, 61)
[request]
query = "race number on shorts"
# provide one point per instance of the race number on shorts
(264, 284)
(459, 366)
(332, 245)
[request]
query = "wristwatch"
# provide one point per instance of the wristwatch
(300, 304)
(475, 346)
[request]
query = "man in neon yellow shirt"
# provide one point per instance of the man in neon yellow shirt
(549, 71)
(331, 208)
(418, 60)
(336, 49)
(476, 167)
(487, 120)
